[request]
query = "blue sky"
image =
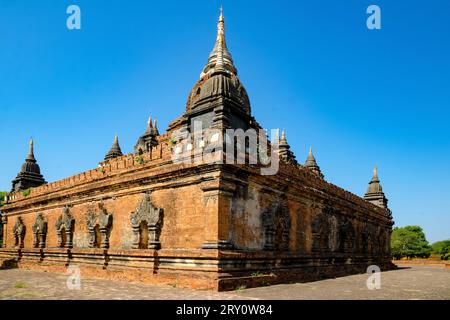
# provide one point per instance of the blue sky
(359, 97)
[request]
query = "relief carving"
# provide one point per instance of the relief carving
(19, 233)
(346, 235)
(39, 231)
(147, 222)
(99, 226)
(370, 242)
(320, 229)
(276, 223)
(64, 229)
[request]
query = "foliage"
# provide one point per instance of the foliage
(409, 242)
(442, 248)
(26, 192)
(2, 197)
(171, 140)
(256, 274)
(140, 160)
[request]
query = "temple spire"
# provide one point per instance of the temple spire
(375, 192)
(221, 29)
(220, 59)
(375, 175)
(30, 156)
(285, 149)
(312, 165)
(149, 125)
(283, 136)
(115, 150)
(155, 128)
(148, 139)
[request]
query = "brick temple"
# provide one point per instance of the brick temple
(215, 225)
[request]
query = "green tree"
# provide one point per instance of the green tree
(409, 242)
(442, 248)
(2, 197)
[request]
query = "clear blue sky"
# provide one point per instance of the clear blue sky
(359, 97)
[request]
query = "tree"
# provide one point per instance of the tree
(409, 242)
(2, 197)
(442, 248)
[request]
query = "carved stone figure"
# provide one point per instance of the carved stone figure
(147, 221)
(103, 221)
(276, 223)
(320, 229)
(39, 231)
(19, 232)
(370, 238)
(346, 235)
(64, 229)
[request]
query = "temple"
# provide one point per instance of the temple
(163, 214)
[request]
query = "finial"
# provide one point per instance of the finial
(311, 155)
(283, 135)
(221, 28)
(30, 155)
(220, 58)
(155, 128)
(149, 122)
(116, 139)
(149, 125)
(375, 173)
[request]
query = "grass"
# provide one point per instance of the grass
(241, 288)
(20, 285)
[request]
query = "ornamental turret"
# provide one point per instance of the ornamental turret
(30, 174)
(375, 193)
(285, 150)
(312, 165)
(148, 139)
(115, 150)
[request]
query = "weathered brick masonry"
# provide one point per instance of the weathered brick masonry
(142, 216)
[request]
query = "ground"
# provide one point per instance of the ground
(415, 282)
